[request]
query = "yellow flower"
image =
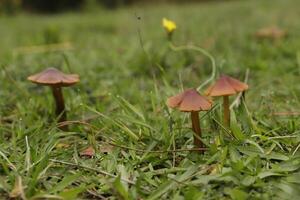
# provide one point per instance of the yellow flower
(169, 25)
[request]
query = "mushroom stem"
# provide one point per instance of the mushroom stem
(60, 105)
(226, 111)
(196, 128)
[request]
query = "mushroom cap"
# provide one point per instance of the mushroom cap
(226, 86)
(54, 77)
(188, 101)
(272, 32)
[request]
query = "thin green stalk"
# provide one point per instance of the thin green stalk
(204, 52)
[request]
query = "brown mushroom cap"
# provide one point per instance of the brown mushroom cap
(54, 77)
(272, 32)
(226, 85)
(188, 101)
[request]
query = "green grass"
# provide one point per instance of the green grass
(121, 100)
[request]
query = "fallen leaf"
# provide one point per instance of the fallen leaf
(89, 152)
(106, 148)
(62, 145)
(18, 189)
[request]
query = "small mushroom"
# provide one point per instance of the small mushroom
(226, 86)
(272, 32)
(56, 80)
(191, 101)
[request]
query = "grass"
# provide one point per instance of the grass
(119, 105)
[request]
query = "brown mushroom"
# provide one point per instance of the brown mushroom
(191, 101)
(56, 80)
(272, 32)
(226, 86)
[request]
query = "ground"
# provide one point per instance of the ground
(128, 70)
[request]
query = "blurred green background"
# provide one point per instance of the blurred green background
(13, 6)
(127, 72)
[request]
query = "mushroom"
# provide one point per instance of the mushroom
(272, 32)
(191, 101)
(56, 80)
(226, 86)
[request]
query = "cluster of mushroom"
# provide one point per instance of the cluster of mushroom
(188, 101)
(191, 101)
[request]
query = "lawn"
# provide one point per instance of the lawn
(128, 70)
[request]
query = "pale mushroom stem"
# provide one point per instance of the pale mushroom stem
(226, 111)
(196, 128)
(60, 106)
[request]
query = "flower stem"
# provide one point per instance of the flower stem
(204, 52)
